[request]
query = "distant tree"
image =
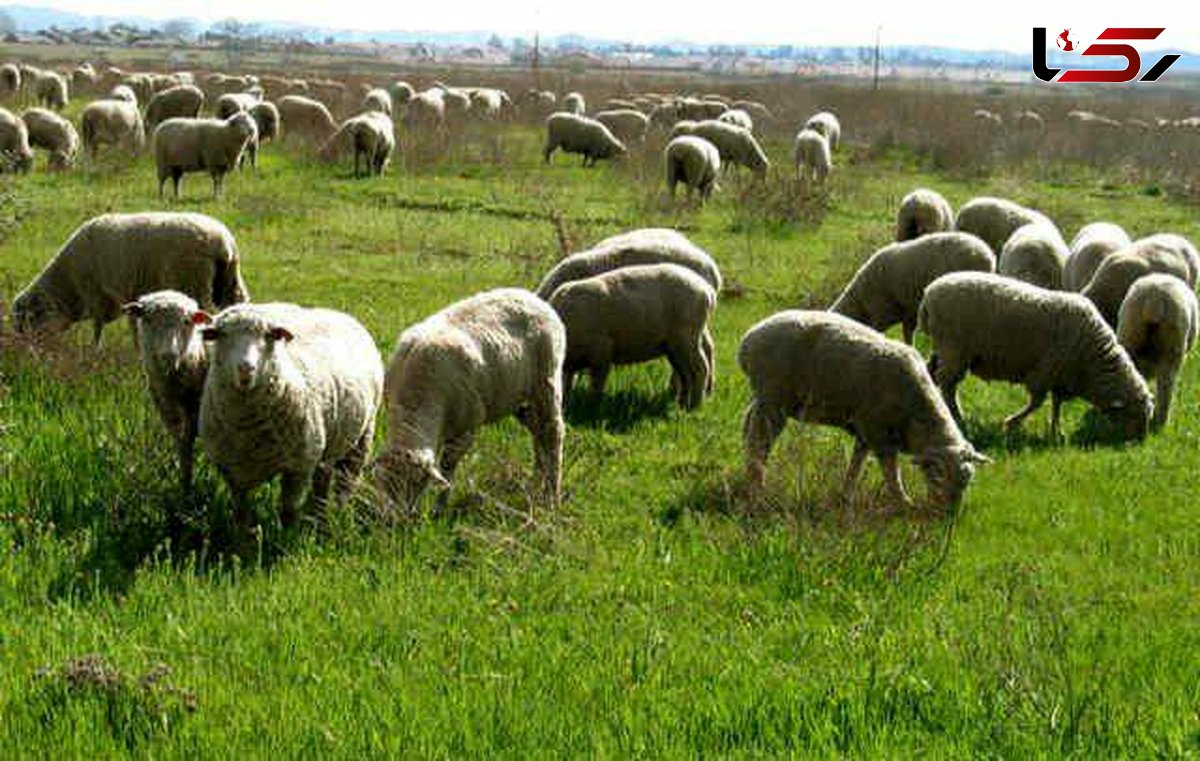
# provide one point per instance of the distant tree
(495, 42)
(7, 24)
(179, 27)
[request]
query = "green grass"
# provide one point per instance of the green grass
(655, 614)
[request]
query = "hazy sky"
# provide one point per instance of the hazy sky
(1002, 24)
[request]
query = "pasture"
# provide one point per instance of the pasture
(658, 613)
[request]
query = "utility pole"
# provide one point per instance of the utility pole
(878, 29)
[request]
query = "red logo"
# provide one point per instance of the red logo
(1064, 41)
(1133, 59)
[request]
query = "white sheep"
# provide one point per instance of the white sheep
(53, 133)
(627, 125)
(50, 89)
(823, 368)
(123, 93)
(231, 103)
(737, 145)
(828, 125)
(693, 161)
(638, 314)
(573, 103)
(266, 121)
(426, 112)
(579, 134)
(923, 211)
(738, 118)
(401, 92)
(179, 101)
(201, 145)
(370, 136)
(306, 119)
(10, 80)
(888, 287)
(476, 362)
(995, 219)
(1157, 325)
(112, 122)
(291, 392)
(15, 153)
(1089, 248)
(114, 259)
(1036, 254)
(377, 99)
(1117, 273)
(176, 364)
(1051, 342)
(812, 154)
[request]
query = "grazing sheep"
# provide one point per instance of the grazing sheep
(370, 135)
(231, 103)
(112, 122)
(1178, 246)
(1089, 248)
(695, 109)
(1049, 341)
(1117, 273)
(426, 112)
(813, 159)
(50, 89)
(1157, 325)
(638, 314)
(828, 125)
(377, 99)
(1030, 124)
(401, 92)
(652, 245)
(292, 392)
(888, 288)
(738, 118)
(817, 367)
(536, 105)
(995, 219)
(989, 123)
(142, 86)
(176, 364)
(487, 104)
(180, 101)
(756, 110)
(620, 104)
(664, 116)
(736, 145)
(331, 94)
(83, 79)
(579, 134)
(114, 259)
(573, 103)
(923, 211)
(123, 93)
(201, 145)
(695, 162)
(10, 80)
(306, 119)
(1036, 254)
(266, 118)
(51, 132)
(476, 362)
(15, 153)
(627, 125)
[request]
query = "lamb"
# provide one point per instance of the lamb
(1157, 325)
(828, 125)
(111, 122)
(1036, 254)
(579, 134)
(923, 211)
(738, 118)
(305, 119)
(10, 80)
(370, 135)
(573, 103)
(995, 219)
(476, 362)
(627, 125)
(695, 162)
(1089, 248)
(637, 314)
(888, 288)
(14, 143)
(50, 89)
(198, 145)
(1051, 342)
(643, 246)
(291, 392)
(817, 367)
(53, 133)
(813, 159)
(377, 99)
(1114, 277)
(736, 145)
(231, 103)
(184, 101)
(176, 364)
(114, 259)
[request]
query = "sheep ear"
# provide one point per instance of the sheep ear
(200, 317)
(278, 333)
(133, 309)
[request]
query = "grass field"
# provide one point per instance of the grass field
(656, 614)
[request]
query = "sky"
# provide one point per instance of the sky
(972, 24)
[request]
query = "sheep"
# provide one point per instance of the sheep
(176, 364)
(15, 153)
(644, 246)
(53, 133)
(987, 122)
(536, 105)
(621, 104)
(693, 161)
(579, 134)
(141, 84)
(292, 392)
(426, 112)
(10, 80)
(51, 91)
(1089, 248)
(377, 99)
(694, 109)
(233, 102)
(1036, 254)
(83, 79)
(1157, 325)
(306, 119)
(199, 145)
(828, 125)
(573, 103)
(123, 93)
(266, 118)
(923, 211)
(736, 145)
(636, 314)
(179, 101)
(113, 259)
(738, 118)
(756, 110)
(370, 135)
(627, 125)
(111, 122)
(401, 92)
(995, 219)
(476, 362)
(1051, 342)
(664, 116)
(887, 289)
(331, 94)
(813, 159)
(456, 105)
(1030, 124)
(1115, 275)
(818, 367)
(1178, 246)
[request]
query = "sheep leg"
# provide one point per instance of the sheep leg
(544, 422)
(761, 426)
(1056, 403)
(854, 470)
(891, 477)
(295, 486)
(187, 453)
(97, 331)
(346, 470)
(693, 371)
(948, 372)
(909, 328)
(175, 178)
(1036, 399)
(707, 347)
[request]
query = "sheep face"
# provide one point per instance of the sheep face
(611, 149)
(166, 327)
(246, 355)
(1131, 416)
(34, 312)
(948, 472)
(402, 475)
